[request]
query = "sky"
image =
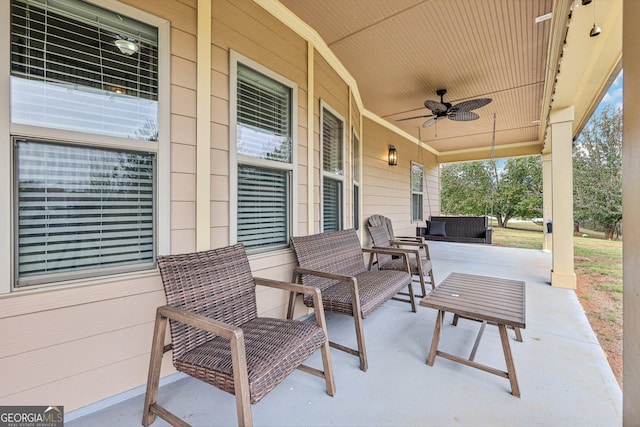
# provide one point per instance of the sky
(613, 96)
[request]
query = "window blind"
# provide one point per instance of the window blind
(332, 144)
(416, 207)
(263, 116)
(417, 184)
(81, 209)
(332, 205)
(263, 206)
(67, 73)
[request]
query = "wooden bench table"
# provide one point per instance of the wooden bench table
(488, 299)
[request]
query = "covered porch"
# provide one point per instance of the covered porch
(563, 374)
(84, 341)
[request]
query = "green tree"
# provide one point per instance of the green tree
(520, 189)
(597, 171)
(480, 188)
(466, 188)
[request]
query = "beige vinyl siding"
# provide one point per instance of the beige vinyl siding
(77, 345)
(246, 28)
(386, 189)
(334, 92)
(80, 344)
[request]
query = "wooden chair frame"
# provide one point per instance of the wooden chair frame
(235, 337)
(356, 303)
(413, 249)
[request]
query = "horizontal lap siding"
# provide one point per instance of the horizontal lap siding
(332, 90)
(246, 28)
(79, 345)
(386, 189)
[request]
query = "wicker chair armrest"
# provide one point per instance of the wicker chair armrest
(215, 327)
(397, 251)
(386, 251)
(326, 274)
(286, 286)
(404, 253)
(421, 245)
(418, 239)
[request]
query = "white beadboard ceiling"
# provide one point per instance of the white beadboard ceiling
(401, 52)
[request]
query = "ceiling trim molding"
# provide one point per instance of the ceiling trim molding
(297, 25)
(557, 37)
(382, 122)
(518, 149)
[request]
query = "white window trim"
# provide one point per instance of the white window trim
(355, 178)
(162, 148)
(323, 174)
(416, 192)
(234, 157)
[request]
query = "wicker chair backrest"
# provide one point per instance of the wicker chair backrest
(380, 238)
(337, 252)
(380, 220)
(217, 284)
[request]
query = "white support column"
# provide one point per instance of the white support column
(547, 202)
(562, 274)
(631, 209)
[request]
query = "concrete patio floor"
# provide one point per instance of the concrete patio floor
(562, 371)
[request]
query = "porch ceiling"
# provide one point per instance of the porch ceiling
(400, 52)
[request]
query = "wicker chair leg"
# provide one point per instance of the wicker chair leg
(433, 281)
(412, 297)
(325, 349)
(155, 363)
(422, 287)
(241, 380)
(362, 351)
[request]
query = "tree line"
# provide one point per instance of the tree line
(512, 188)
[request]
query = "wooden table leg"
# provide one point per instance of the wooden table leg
(478, 338)
(508, 358)
(436, 338)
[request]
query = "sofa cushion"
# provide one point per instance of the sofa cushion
(437, 228)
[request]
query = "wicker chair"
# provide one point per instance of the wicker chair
(217, 337)
(334, 263)
(380, 220)
(419, 264)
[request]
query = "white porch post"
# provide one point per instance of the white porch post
(562, 274)
(547, 206)
(631, 209)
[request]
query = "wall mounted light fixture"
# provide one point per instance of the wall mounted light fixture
(393, 156)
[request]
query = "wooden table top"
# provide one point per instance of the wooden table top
(480, 297)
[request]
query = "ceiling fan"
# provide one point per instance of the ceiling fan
(460, 112)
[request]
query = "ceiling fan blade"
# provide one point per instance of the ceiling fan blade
(471, 104)
(414, 117)
(463, 116)
(429, 122)
(433, 120)
(435, 106)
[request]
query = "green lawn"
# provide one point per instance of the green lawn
(593, 256)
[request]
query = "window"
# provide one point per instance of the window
(265, 152)
(84, 122)
(82, 209)
(332, 152)
(356, 181)
(67, 72)
(417, 186)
